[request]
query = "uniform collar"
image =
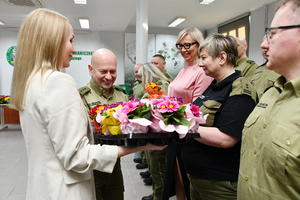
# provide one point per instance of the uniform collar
(99, 90)
(294, 84)
(241, 61)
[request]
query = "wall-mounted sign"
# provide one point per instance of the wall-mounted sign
(11, 55)
(81, 53)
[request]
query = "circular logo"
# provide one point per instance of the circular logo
(11, 55)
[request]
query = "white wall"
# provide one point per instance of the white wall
(78, 68)
(90, 42)
(7, 39)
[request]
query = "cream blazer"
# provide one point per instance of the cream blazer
(58, 138)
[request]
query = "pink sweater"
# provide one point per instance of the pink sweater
(189, 84)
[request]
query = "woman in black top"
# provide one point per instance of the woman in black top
(212, 162)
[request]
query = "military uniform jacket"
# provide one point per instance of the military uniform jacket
(228, 104)
(168, 75)
(138, 89)
(270, 153)
(247, 67)
(263, 79)
(92, 95)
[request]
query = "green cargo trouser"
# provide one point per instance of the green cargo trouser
(203, 189)
(109, 186)
(157, 169)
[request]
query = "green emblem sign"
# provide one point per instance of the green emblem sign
(11, 55)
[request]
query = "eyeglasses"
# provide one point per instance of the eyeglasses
(186, 45)
(269, 33)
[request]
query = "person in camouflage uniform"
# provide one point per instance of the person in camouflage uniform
(100, 90)
(243, 64)
(159, 61)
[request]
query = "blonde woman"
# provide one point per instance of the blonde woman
(189, 84)
(157, 159)
(54, 122)
(150, 73)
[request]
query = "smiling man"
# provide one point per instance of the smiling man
(100, 90)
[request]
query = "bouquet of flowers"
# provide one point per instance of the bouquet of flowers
(158, 113)
(101, 118)
(4, 99)
(134, 117)
(154, 91)
(171, 115)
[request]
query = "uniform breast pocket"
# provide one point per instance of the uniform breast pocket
(283, 155)
(252, 119)
(210, 107)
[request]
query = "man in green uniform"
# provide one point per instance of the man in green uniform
(138, 92)
(160, 62)
(100, 90)
(270, 153)
(263, 78)
(138, 89)
(246, 66)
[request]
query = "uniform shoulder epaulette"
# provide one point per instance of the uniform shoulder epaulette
(250, 61)
(83, 90)
(243, 86)
(120, 89)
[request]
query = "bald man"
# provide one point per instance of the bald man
(100, 90)
(243, 64)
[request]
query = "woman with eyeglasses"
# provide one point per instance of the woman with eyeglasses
(189, 84)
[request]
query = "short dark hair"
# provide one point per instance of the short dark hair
(160, 56)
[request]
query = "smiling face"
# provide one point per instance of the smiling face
(283, 46)
(190, 54)
(68, 48)
(103, 69)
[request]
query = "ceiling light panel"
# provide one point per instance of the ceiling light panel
(206, 1)
(177, 21)
(84, 23)
(80, 1)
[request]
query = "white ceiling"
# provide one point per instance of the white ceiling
(118, 15)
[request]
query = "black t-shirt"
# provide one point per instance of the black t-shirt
(231, 104)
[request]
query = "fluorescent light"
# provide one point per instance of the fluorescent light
(1, 22)
(80, 1)
(84, 23)
(177, 21)
(206, 1)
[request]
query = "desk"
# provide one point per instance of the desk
(2, 106)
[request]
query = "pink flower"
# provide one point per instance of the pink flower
(167, 106)
(195, 110)
(129, 107)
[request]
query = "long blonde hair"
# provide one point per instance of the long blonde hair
(42, 36)
(150, 73)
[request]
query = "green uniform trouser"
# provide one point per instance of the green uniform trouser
(203, 189)
(143, 157)
(109, 186)
(157, 167)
